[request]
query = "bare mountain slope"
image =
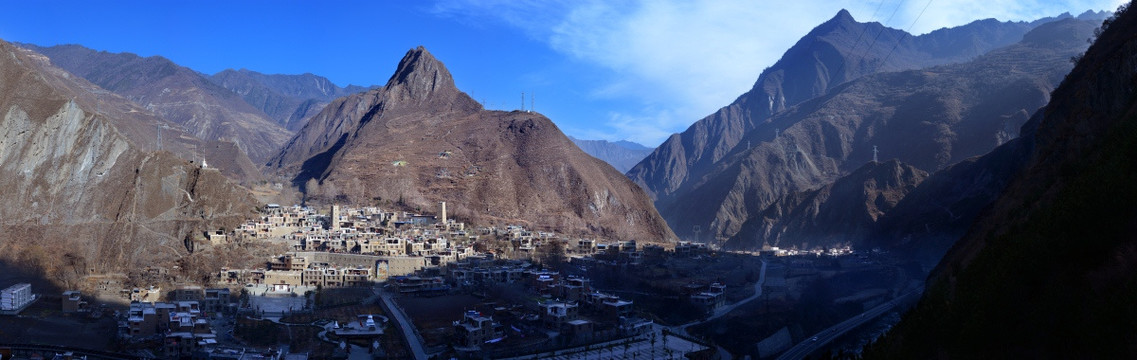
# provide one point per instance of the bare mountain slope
(845, 212)
(833, 53)
(290, 100)
(927, 118)
(419, 140)
(82, 190)
(175, 93)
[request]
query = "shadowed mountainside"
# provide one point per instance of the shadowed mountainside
(837, 213)
(1050, 269)
(425, 141)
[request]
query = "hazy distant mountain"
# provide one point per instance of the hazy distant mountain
(81, 185)
(426, 141)
(175, 93)
(288, 99)
(927, 118)
(622, 154)
(1049, 270)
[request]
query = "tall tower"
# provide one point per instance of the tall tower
(874, 151)
(444, 222)
(335, 217)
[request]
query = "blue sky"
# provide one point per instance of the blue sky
(600, 69)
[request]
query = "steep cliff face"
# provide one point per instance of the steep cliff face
(290, 100)
(419, 140)
(928, 118)
(844, 212)
(834, 53)
(1048, 271)
(177, 94)
(78, 185)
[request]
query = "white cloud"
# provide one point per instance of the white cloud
(681, 60)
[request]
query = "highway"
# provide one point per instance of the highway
(822, 338)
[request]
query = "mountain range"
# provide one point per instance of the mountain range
(176, 93)
(928, 118)
(289, 100)
(622, 155)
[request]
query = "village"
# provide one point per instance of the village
(369, 283)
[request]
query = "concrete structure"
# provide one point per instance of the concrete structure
(73, 301)
(16, 297)
(216, 300)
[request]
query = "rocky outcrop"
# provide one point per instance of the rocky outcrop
(419, 140)
(81, 183)
(177, 94)
(290, 100)
(622, 155)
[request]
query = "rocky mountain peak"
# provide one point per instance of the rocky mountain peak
(419, 76)
(843, 16)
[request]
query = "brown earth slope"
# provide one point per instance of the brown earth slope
(835, 52)
(845, 212)
(82, 187)
(927, 118)
(176, 93)
(419, 140)
(290, 100)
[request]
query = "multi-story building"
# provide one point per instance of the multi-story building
(16, 297)
(475, 329)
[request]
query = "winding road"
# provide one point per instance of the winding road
(682, 329)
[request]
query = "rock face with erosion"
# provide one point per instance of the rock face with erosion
(419, 140)
(178, 94)
(83, 186)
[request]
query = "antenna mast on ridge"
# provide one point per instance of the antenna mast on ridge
(874, 151)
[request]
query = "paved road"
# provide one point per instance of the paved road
(682, 329)
(722, 353)
(404, 324)
(815, 342)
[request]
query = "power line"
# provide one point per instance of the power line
(906, 34)
(882, 30)
(864, 30)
